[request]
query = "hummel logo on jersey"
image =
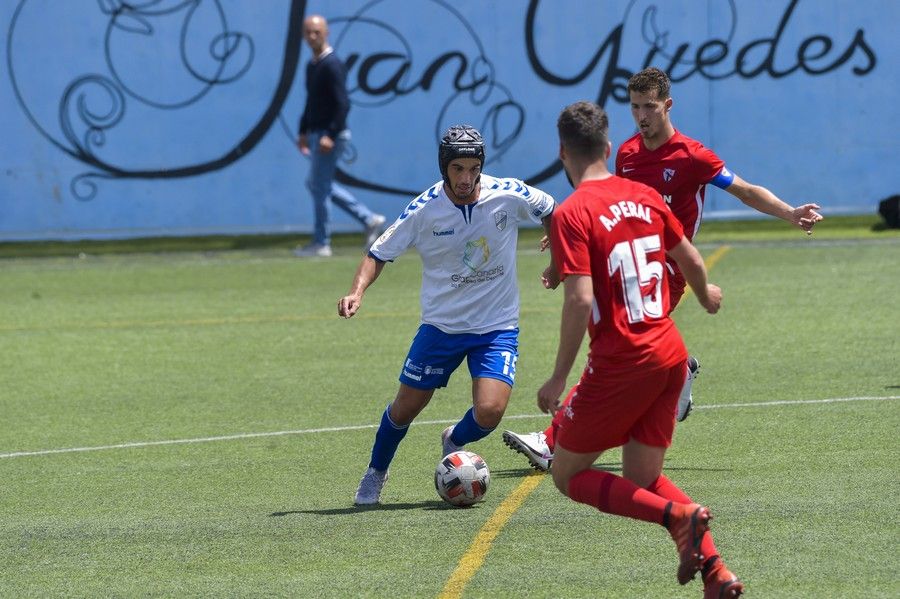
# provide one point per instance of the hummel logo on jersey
(437, 233)
(668, 173)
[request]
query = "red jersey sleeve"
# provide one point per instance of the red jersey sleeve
(706, 163)
(569, 240)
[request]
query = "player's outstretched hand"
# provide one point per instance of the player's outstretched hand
(349, 305)
(806, 217)
(545, 243)
(713, 300)
(548, 395)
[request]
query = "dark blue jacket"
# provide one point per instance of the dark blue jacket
(327, 103)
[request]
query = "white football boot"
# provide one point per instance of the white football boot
(686, 399)
(369, 491)
(448, 446)
(533, 446)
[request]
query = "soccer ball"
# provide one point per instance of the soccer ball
(462, 478)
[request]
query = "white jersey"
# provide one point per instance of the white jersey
(468, 252)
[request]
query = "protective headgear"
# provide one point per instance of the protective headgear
(460, 141)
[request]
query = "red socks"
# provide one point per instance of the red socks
(616, 495)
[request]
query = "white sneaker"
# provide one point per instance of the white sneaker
(313, 250)
(686, 399)
(369, 491)
(533, 446)
(374, 228)
(448, 446)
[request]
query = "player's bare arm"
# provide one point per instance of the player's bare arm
(691, 264)
(579, 297)
(550, 277)
(368, 270)
(762, 200)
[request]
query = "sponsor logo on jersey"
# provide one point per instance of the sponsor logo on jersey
(387, 234)
(443, 233)
(415, 377)
(479, 276)
(500, 219)
(627, 170)
(668, 173)
(476, 254)
(431, 370)
(410, 365)
(667, 198)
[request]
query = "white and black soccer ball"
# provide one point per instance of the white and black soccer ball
(462, 478)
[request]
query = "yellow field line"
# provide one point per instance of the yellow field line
(711, 261)
(474, 556)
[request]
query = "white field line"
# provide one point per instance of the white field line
(333, 429)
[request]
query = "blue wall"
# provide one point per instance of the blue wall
(179, 117)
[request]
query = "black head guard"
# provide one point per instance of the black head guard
(460, 141)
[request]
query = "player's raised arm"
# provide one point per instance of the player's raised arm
(691, 264)
(368, 270)
(762, 200)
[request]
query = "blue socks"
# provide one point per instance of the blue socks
(467, 430)
(387, 439)
(389, 435)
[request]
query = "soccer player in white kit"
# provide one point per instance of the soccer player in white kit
(465, 228)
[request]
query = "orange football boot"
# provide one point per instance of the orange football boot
(720, 583)
(687, 523)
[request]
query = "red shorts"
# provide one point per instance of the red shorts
(606, 411)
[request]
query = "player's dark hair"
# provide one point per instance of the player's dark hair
(460, 141)
(649, 80)
(584, 130)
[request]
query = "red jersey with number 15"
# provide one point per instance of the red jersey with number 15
(617, 231)
(679, 170)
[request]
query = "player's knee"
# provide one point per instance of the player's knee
(489, 414)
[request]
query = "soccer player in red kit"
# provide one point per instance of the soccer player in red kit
(609, 241)
(679, 168)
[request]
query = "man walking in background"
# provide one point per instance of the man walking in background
(323, 136)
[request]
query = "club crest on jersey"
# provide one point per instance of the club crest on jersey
(668, 173)
(500, 219)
